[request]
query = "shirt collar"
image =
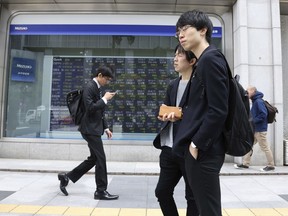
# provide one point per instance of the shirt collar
(95, 80)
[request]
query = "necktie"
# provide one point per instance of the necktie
(100, 92)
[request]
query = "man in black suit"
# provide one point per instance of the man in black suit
(172, 166)
(92, 127)
(200, 133)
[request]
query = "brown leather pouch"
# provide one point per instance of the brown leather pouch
(168, 109)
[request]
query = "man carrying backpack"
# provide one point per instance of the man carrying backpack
(259, 115)
(92, 127)
(199, 139)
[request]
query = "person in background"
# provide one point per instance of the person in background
(259, 116)
(92, 127)
(171, 166)
(200, 139)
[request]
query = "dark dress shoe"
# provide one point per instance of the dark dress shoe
(64, 180)
(104, 195)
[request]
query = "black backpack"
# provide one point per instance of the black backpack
(75, 105)
(238, 131)
(271, 110)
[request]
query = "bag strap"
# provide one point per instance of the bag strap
(237, 77)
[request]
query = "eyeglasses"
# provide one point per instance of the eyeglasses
(108, 79)
(182, 29)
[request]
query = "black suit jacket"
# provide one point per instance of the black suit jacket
(170, 100)
(206, 108)
(93, 122)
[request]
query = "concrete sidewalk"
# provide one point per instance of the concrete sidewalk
(31, 187)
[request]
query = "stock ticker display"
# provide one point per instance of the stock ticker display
(141, 83)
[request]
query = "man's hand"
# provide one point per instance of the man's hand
(109, 95)
(193, 152)
(168, 117)
(108, 133)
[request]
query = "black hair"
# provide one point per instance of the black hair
(189, 54)
(105, 71)
(196, 19)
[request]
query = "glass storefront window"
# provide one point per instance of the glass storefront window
(45, 63)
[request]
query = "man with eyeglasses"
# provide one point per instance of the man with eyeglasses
(172, 167)
(200, 134)
(92, 127)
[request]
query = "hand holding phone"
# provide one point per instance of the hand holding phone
(109, 95)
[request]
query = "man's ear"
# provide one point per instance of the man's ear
(203, 31)
(193, 61)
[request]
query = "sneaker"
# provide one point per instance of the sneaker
(268, 168)
(241, 166)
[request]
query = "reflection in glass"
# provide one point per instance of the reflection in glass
(44, 68)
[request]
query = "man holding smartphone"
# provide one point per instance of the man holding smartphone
(92, 127)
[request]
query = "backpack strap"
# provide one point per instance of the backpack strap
(194, 73)
(237, 77)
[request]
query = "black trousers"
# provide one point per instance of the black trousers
(97, 158)
(171, 170)
(203, 177)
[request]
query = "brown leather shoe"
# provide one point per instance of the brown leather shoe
(64, 180)
(104, 195)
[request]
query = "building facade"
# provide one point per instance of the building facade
(50, 47)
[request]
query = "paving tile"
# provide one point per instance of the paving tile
(282, 211)
(238, 212)
(6, 207)
(27, 209)
(79, 211)
(105, 212)
(284, 196)
(154, 212)
(132, 212)
(235, 204)
(224, 213)
(21, 214)
(4, 194)
(265, 212)
(182, 212)
(52, 210)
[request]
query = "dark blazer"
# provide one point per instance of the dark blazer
(93, 122)
(170, 100)
(206, 108)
